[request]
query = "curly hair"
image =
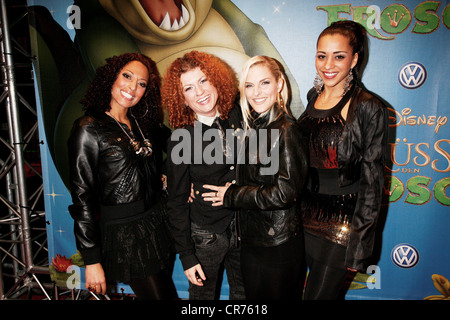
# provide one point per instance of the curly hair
(97, 99)
(219, 74)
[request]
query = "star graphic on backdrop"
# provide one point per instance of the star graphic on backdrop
(60, 231)
(277, 9)
(53, 194)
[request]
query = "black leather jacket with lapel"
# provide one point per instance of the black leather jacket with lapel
(268, 202)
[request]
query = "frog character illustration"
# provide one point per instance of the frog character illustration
(164, 30)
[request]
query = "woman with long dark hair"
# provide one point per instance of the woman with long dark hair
(118, 205)
(346, 128)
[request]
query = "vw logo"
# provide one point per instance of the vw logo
(405, 256)
(412, 75)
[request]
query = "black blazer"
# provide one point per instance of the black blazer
(180, 176)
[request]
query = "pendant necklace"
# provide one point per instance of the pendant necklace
(145, 150)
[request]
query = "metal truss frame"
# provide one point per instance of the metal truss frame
(23, 238)
(24, 262)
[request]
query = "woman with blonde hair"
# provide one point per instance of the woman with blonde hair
(283, 94)
(266, 194)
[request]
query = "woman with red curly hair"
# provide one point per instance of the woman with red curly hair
(199, 91)
(118, 208)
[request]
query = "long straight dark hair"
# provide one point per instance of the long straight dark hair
(356, 35)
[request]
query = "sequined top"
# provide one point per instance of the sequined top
(323, 129)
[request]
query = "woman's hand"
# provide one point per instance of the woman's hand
(95, 278)
(195, 275)
(217, 196)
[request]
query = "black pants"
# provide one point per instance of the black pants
(216, 251)
(327, 283)
(328, 277)
(155, 287)
(274, 273)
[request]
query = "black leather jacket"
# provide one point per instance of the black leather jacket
(268, 203)
(104, 170)
(361, 157)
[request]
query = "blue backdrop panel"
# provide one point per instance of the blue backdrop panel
(407, 67)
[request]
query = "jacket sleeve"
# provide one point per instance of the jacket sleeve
(373, 122)
(83, 157)
(286, 182)
(178, 187)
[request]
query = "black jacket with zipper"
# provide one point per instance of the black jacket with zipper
(105, 171)
(268, 202)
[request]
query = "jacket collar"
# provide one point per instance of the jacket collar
(257, 120)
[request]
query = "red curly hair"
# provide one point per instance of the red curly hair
(219, 74)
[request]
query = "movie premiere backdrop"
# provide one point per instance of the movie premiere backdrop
(408, 68)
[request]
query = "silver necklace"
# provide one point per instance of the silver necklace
(146, 149)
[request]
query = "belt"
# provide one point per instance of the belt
(123, 212)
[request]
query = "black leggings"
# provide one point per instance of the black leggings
(274, 273)
(325, 282)
(155, 287)
(328, 277)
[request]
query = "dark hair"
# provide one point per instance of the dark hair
(218, 72)
(98, 95)
(356, 35)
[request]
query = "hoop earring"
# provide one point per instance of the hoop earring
(146, 111)
(318, 84)
(348, 81)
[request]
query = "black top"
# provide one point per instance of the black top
(322, 129)
(199, 165)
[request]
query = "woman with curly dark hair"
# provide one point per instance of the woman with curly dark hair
(199, 91)
(118, 205)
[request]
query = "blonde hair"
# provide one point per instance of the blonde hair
(283, 96)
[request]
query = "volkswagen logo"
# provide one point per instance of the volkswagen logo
(412, 75)
(405, 256)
